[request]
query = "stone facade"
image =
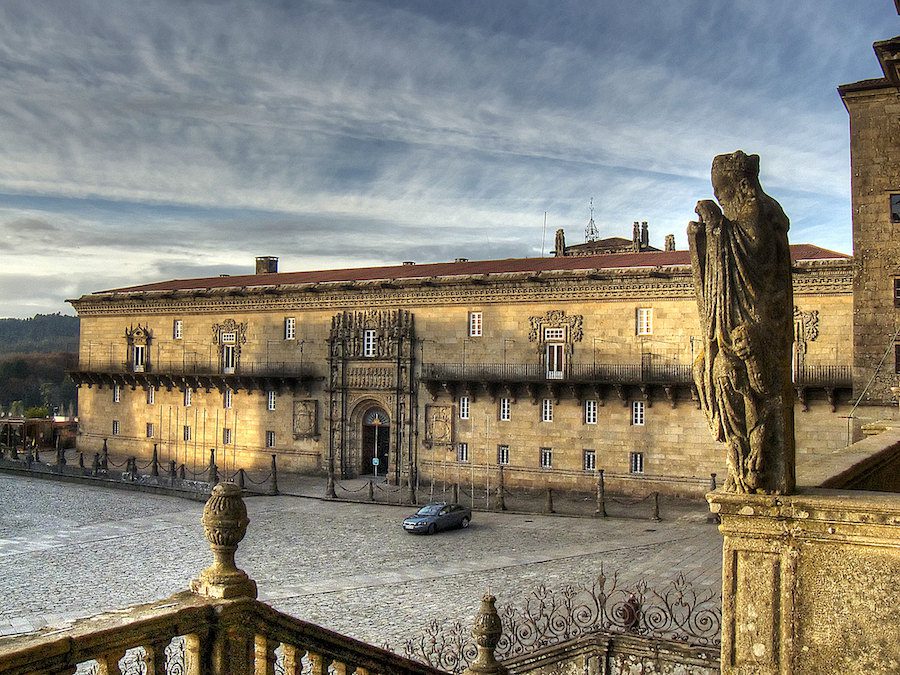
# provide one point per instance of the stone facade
(460, 357)
(874, 107)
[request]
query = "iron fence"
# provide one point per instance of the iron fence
(626, 373)
(200, 367)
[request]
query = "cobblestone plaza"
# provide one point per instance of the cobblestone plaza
(70, 550)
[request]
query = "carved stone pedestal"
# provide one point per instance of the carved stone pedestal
(810, 582)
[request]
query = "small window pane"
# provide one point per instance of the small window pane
(503, 454)
(590, 460)
(475, 323)
(504, 410)
(462, 452)
(227, 398)
(590, 411)
(546, 458)
(637, 413)
(270, 439)
(547, 410)
(464, 407)
(637, 462)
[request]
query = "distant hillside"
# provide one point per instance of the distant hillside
(37, 380)
(43, 333)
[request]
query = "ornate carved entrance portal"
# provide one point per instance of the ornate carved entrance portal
(372, 393)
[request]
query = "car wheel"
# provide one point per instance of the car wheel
(465, 522)
(431, 529)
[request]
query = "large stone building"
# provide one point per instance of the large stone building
(552, 367)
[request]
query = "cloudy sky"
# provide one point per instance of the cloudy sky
(142, 141)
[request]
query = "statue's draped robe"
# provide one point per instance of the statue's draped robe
(744, 295)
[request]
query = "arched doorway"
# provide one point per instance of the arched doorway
(376, 441)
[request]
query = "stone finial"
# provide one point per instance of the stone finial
(487, 631)
(670, 242)
(225, 524)
(560, 244)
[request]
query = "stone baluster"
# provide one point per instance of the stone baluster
(339, 668)
(197, 656)
(361, 671)
(155, 658)
(293, 660)
(264, 649)
(486, 630)
(233, 651)
(108, 664)
(318, 664)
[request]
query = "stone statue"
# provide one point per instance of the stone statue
(560, 243)
(742, 276)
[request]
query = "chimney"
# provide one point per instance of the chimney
(636, 237)
(408, 263)
(645, 235)
(670, 242)
(266, 264)
(462, 260)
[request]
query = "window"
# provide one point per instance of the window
(637, 413)
(177, 329)
(117, 393)
(369, 343)
(270, 439)
(504, 410)
(503, 454)
(229, 359)
(644, 321)
(270, 400)
(226, 398)
(290, 328)
(187, 432)
(590, 411)
(897, 292)
(897, 358)
(462, 452)
(637, 462)
(475, 323)
(149, 429)
(590, 460)
(547, 410)
(139, 356)
(115, 428)
(226, 436)
(188, 394)
(463, 407)
(895, 208)
(546, 458)
(151, 395)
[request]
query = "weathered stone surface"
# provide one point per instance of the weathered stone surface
(809, 582)
(742, 276)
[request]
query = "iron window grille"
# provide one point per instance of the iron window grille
(546, 458)
(637, 462)
(590, 460)
(151, 395)
(270, 439)
(503, 455)
(115, 427)
(149, 429)
(188, 395)
(117, 393)
(462, 452)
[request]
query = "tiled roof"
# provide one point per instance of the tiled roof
(476, 267)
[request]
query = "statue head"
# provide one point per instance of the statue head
(735, 181)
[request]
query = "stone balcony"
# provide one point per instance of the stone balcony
(672, 382)
(205, 374)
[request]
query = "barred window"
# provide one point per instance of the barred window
(546, 458)
(188, 395)
(644, 321)
(637, 462)
(462, 452)
(227, 398)
(187, 432)
(149, 429)
(590, 460)
(503, 454)
(177, 329)
(117, 393)
(226, 436)
(270, 439)
(270, 399)
(115, 427)
(151, 394)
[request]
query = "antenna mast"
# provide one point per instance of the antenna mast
(544, 234)
(590, 232)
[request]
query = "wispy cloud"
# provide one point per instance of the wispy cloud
(176, 137)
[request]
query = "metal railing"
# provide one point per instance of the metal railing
(200, 367)
(834, 376)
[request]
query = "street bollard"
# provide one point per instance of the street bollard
(95, 465)
(656, 507)
(213, 477)
(81, 461)
(712, 482)
(601, 495)
(456, 493)
(173, 470)
(548, 507)
(154, 463)
(371, 491)
(273, 486)
(104, 458)
(181, 471)
(240, 482)
(501, 499)
(60, 454)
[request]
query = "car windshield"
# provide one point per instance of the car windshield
(430, 510)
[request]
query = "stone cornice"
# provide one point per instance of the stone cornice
(811, 277)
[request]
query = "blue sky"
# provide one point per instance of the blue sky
(142, 141)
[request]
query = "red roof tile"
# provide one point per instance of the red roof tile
(476, 267)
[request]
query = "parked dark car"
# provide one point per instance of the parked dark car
(438, 516)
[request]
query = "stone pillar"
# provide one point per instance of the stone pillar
(809, 582)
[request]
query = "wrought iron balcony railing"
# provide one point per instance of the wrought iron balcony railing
(824, 376)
